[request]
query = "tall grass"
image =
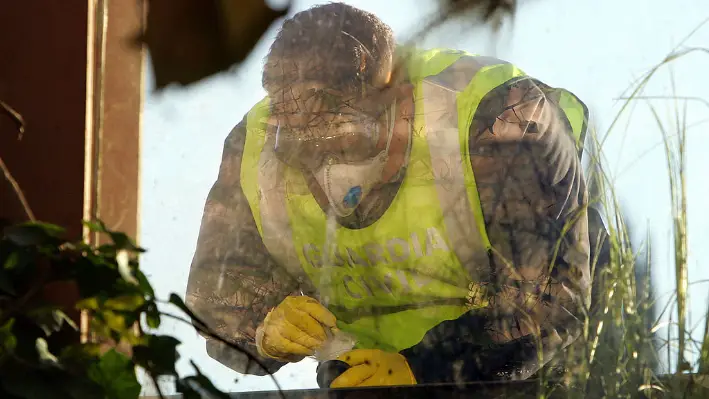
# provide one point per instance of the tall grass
(619, 354)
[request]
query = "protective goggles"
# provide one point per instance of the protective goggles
(310, 147)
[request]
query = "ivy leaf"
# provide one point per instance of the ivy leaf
(122, 241)
(107, 249)
(80, 356)
(100, 329)
(5, 283)
(95, 278)
(8, 341)
(123, 261)
(144, 284)
(200, 386)
(34, 234)
(158, 355)
(88, 304)
(115, 372)
(30, 383)
(50, 229)
(12, 260)
(115, 320)
(50, 319)
(125, 302)
(45, 356)
(152, 315)
(19, 259)
(95, 226)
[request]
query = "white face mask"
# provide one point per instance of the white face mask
(347, 184)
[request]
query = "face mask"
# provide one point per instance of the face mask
(347, 184)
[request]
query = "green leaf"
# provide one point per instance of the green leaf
(123, 261)
(50, 319)
(20, 258)
(31, 383)
(95, 226)
(34, 234)
(12, 260)
(88, 304)
(152, 315)
(117, 325)
(107, 249)
(99, 328)
(144, 284)
(80, 356)
(199, 384)
(8, 341)
(5, 283)
(96, 279)
(115, 372)
(50, 229)
(45, 356)
(125, 302)
(114, 320)
(122, 241)
(158, 355)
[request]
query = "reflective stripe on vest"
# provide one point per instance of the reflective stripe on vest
(577, 114)
(421, 263)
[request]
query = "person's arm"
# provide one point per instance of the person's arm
(233, 280)
(534, 199)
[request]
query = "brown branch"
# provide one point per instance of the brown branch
(18, 191)
(16, 117)
(20, 122)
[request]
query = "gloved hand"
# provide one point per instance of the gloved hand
(374, 367)
(294, 329)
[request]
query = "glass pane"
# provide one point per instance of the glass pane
(435, 209)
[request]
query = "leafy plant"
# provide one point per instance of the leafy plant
(40, 353)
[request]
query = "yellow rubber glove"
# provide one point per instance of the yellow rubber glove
(374, 367)
(294, 329)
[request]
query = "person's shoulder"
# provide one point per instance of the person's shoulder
(258, 114)
(254, 119)
(421, 63)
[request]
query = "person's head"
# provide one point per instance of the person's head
(328, 75)
(334, 45)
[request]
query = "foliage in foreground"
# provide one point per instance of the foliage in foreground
(40, 357)
(620, 353)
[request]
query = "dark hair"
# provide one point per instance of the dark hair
(337, 44)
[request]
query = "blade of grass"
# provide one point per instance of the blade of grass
(676, 178)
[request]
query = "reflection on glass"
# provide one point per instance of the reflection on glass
(386, 213)
(416, 214)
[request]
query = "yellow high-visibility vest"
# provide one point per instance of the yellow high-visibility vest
(423, 261)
